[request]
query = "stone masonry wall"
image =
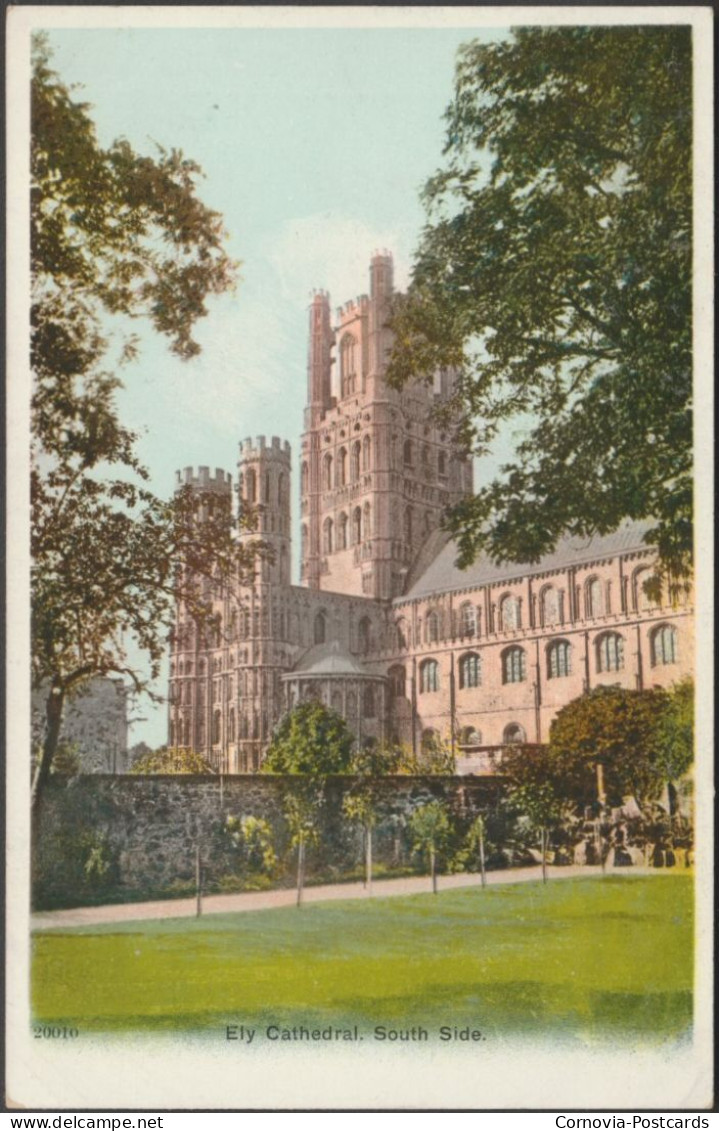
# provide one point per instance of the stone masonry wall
(114, 838)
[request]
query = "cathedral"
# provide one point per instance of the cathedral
(383, 627)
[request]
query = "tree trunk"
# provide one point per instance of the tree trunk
(544, 855)
(481, 860)
(433, 869)
(368, 861)
(198, 880)
(53, 714)
(300, 869)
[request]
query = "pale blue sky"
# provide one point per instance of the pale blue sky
(315, 144)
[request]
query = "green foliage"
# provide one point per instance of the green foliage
(554, 276)
(253, 837)
(434, 759)
(67, 759)
(675, 732)
(115, 235)
(310, 740)
(171, 760)
(429, 827)
(616, 728)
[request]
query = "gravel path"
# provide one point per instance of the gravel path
(260, 901)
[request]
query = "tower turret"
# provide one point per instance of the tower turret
(263, 485)
(380, 338)
(319, 360)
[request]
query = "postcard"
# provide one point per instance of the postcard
(360, 665)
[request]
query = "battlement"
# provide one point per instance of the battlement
(259, 448)
(220, 481)
(355, 307)
(320, 296)
(384, 255)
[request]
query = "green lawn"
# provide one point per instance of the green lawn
(607, 957)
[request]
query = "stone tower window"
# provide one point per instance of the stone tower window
(408, 525)
(341, 476)
(357, 526)
(363, 635)
(593, 597)
(320, 628)
(327, 536)
(514, 665)
(610, 652)
(368, 703)
(429, 676)
(367, 521)
(559, 659)
(348, 364)
(366, 454)
(508, 614)
(470, 671)
(251, 486)
(327, 472)
(442, 463)
(407, 453)
(397, 681)
(467, 619)
(549, 606)
(342, 523)
(664, 645)
(356, 460)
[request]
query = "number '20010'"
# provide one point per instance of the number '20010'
(54, 1031)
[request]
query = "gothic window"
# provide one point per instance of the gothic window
(513, 735)
(408, 526)
(351, 704)
(327, 536)
(407, 453)
(593, 604)
(430, 739)
(514, 665)
(425, 457)
(327, 472)
(470, 672)
(549, 606)
(432, 627)
(368, 702)
(341, 474)
(366, 453)
(363, 635)
(281, 488)
(397, 681)
(558, 659)
(442, 463)
(342, 532)
(268, 488)
(216, 723)
(356, 460)
(610, 652)
(402, 634)
(366, 521)
(509, 614)
(336, 702)
(231, 726)
(304, 541)
(187, 733)
(251, 486)
(305, 478)
(429, 676)
(664, 645)
(284, 566)
(467, 619)
(470, 737)
(348, 364)
(320, 628)
(357, 526)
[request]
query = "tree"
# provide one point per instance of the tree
(311, 740)
(613, 729)
(115, 236)
(539, 804)
(430, 829)
(171, 761)
(675, 734)
(554, 277)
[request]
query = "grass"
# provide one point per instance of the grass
(609, 958)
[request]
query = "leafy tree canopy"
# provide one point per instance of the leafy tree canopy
(675, 732)
(311, 740)
(115, 236)
(554, 276)
(171, 761)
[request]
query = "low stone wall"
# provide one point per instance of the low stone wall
(106, 838)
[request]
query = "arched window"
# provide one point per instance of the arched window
(425, 457)
(429, 676)
(341, 475)
(470, 670)
(368, 702)
(231, 726)
(509, 619)
(642, 600)
(342, 532)
(408, 526)
(513, 735)
(351, 704)
(356, 460)
(188, 740)
(304, 541)
(442, 463)
(367, 521)
(268, 488)
(348, 364)
(430, 740)
(336, 702)
(357, 526)
(432, 627)
(364, 635)
(281, 488)
(216, 724)
(397, 681)
(470, 737)
(549, 606)
(593, 604)
(320, 628)
(467, 620)
(327, 472)
(251, 486)
(610, 652)
(514, 665)
(664, 645)
(407, 453)
(401, 633)
(327, 536)
(558, 659)
(366, 454)
(284, 566)
(305, 478)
